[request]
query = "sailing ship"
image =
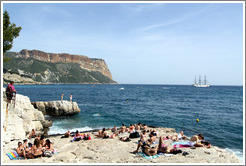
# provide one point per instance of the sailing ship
(199, 84)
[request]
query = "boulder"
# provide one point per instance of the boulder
(47, 123)
(57, 108)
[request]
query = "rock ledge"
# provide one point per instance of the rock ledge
(57, 108)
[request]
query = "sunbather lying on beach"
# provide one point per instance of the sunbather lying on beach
(125, 139)
(87, 136)
(181, 135)
(163, 148)
(66, 135)
(197, 140)
(172, 137)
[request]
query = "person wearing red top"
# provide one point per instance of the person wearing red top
(10, 92)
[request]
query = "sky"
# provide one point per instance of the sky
(142, 43)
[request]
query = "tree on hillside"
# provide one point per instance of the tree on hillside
(10, 31)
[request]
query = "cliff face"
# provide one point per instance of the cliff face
(84, 61)
(44, 67)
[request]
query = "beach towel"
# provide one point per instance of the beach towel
(182, 143)
(148, 157)
(14, 156)
(166, 154)
(181, 146)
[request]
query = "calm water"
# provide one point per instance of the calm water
(218, 108)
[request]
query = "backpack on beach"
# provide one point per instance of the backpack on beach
(134, 135)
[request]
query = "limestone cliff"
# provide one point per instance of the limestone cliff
(85, 62)
(44, 67)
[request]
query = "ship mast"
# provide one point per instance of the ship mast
(200, 82)
(195, 80)
(205, 81)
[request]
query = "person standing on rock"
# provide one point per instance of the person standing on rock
(62, 97)
(71, 98)
(10, 92)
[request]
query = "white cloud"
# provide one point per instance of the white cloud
(173, 21)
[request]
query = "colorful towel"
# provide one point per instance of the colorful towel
(181, 146)
(181, 143)
(12, 155)
(148, 157)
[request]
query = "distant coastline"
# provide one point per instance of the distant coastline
(38, 67)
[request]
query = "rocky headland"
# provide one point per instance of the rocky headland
(42, 67)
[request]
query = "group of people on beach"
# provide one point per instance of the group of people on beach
(77, 136)
(41, 147)
(150, 140)
(70, 97)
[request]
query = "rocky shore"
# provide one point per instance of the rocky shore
(20, 118)
(24, 117)
(98, 150)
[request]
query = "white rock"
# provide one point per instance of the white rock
(20, 119)
(57, 108)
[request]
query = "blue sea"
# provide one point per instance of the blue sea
(218, 108)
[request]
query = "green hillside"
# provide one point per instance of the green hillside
(54, 72)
